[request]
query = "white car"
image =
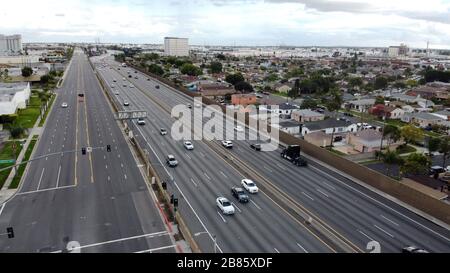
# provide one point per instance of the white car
(239, 129)
(117, 93)
(126, 103)
(64, 105)
(224, 205)
(131, 86)
(188, 145)
(141, 121)
(197, 105)
(172, 161)
(249, 185)
(227, 144)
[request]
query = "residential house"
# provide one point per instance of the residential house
(318, 138)
(306, 115)
(444, 114)
(283, 88)
(429, 92)
(13, 96)
(422, 119)
(328, 126)
(361, 105)
(285, 110)
(384, 111)
(366, 141)
(290, 126)
(243, 99)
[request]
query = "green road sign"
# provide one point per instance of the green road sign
(7, 161)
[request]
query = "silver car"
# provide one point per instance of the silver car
(172, 161)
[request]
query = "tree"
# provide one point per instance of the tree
(296, 72)
(308, 103)
(434, 144)
(155, 69)
(380, 82)
(379, 100)
(16, 131)
(244, 87)
(392, 133)
(355, 81)
(294, 92)
(45, 79)
(333, 105)
(215, 67)
(415, 163)
(390, 158)
(234, 78)
(444, 148)
(190, 69)
(271, 77)
(27, 71)
(411, 134)
(221, 57)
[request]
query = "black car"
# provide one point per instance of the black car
(256, 147)
(157, 86)
(239, 194)
(129, 76)
(413, 249)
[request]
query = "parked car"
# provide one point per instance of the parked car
(172, 161)
(413, 249)
(227, 144)
(188, 145)
(436, 170)
(224, 205)
(163, 131)
(141, 121)
(249, 185)
(240, 195)
(255, 146)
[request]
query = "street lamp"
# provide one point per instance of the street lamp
(213, 237)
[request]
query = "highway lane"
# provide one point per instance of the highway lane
(103, 215)
(259, 226)
(333, 197)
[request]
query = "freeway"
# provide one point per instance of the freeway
(201, 177)
(356, 212)
(98, 202)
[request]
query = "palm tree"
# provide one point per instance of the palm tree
(333, 105)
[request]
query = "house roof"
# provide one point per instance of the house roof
(425, 116)
(287, 106)
(443, 112)
(289, 124)
(308, 113)
(327, 123)
(369, 135)
(363, 102)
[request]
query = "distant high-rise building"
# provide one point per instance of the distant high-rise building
(396, 51)
(176, 46)
(10, 45)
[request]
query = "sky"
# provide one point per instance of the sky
(232, 22)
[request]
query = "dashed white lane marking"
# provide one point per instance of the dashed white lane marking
(193, 182)
(322, 192)
(223, 219)
(40, 179)
(223, 174)
(255, 205)
(302, 248)
(125, 176)
(106, 166)
(281, 167)
(307, 196)
(384, 231)
(389, 220)
(234, 205)
(268, 169)
(207, 176)
(109, 178)
(1, 210)
(149, 235)
(365, 235)
(276, 250)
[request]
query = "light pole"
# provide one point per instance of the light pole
(213, 237)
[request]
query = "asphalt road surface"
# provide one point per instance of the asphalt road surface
(354, 211)
(98, 202)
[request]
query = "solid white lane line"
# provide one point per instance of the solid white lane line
(389, 220)
(322, 192)
(44, 190)
(223, 219)
(192, 180)
(384, 231)
(302, 248)
(255, 205)
(40, 179)
(365, 235)
(308, 196)
(156, 249)
(59, 172)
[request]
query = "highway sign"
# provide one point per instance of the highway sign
(7, 161)
(121, 115)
